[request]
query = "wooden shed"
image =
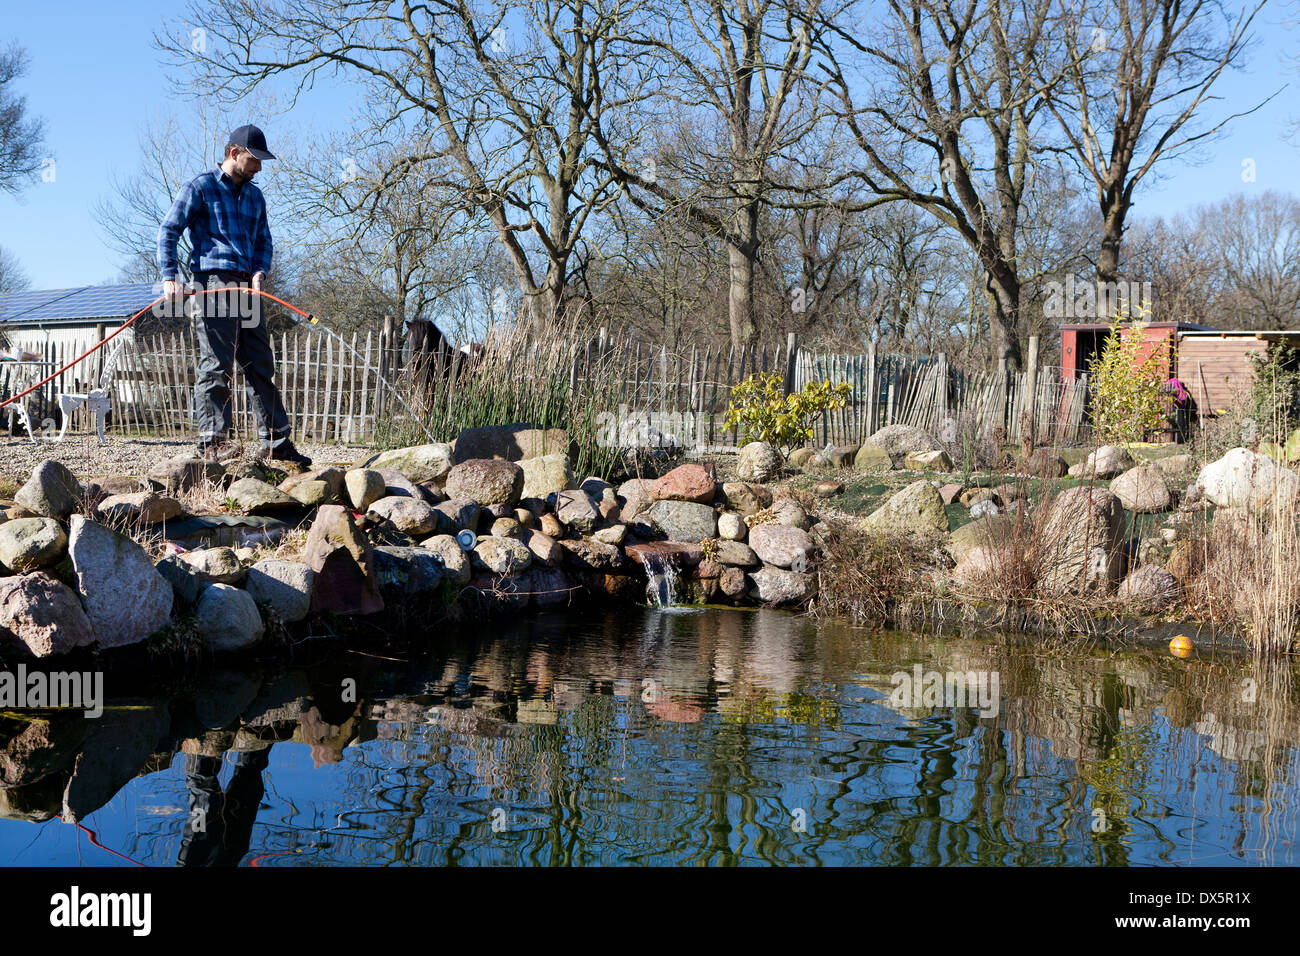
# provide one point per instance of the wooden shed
(1214, 366)
(1081, 343)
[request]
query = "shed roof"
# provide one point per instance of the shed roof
(1098, 326)
(55, 306)
(1271, 334)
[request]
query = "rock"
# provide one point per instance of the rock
(27, 544)
(1004, 494)
(413, 516)
(842, 456)
(1149, 588)
(125, 597)
(185, 581)
(547, 587)
(525, 518)
(745, 497)
(141, 507)
(731, 582)
(486, 481)
(1083, 541)
(52, 491)
(1180, 562)
(927, 461)
(950, 493)
(984, 567)
(333, 478)
(801, 456)
(227, 618)
(686, 483)
(1176, 466)
(789, 512)
(457, 514)
(635, 497)
(782, 545)
(312, 494)
(284, 587)
(186, 472)
(576, 510)
(505, 528)
(1042, 463)
(982, 509)
(418, 463)
(828, 489)
(115, 750)
(1168, 535)
(365, 486)
(455, 562)
(614, 534)
(685, 520)
(500, 555)
(992, 531)
(973, 496)
(735, 554)
(588, 555)
(872, 458)
(260, 470)
(403, 572)
(513, 442)
(546, 475)
(215, 565)
(546, 550)
(343, 560)
(758, 461)
(100, 488)
(605, 498)
(1142, 490)
(777, 586)
(898, 441)
(43, 615)
(1242, 477)
(732, 527)
(253, 497)
(916, 509)
(551, 527)
(1108, 461)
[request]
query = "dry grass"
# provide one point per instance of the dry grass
(862, 574)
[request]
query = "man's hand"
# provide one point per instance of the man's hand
(259, 279)
(171, 288)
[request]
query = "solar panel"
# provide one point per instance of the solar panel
(91, 302)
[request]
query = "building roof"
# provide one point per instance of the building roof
(61, 306)
(1271, 334)
(1098, 326)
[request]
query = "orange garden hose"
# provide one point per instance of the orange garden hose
(125, 325)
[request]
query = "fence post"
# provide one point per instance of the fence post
(873, 391)
(791, 350)
(1030, 402)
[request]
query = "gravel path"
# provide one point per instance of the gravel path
(131, 456)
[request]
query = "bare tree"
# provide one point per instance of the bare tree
(1139, 74)
(13, 278)
(507, 91)
(951, 122)
(22, 136)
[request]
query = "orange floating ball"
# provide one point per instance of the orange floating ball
(1181, 646)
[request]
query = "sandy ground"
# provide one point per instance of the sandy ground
(131, 456)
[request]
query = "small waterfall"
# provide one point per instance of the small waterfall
(661, 575)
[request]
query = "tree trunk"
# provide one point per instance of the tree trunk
(740, 299)
(1004, 293)
(1113, 212)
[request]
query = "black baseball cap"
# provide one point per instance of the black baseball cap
(251, 138)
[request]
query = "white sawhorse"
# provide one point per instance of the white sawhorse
(97, 401)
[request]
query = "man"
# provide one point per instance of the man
(231, 246)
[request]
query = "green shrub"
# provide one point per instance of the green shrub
(762, 413)
(1275, 394)
(1126, 392)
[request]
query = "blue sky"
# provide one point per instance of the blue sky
(96, 80)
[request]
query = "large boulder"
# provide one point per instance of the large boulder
(447, 550)
(1082, 542)
(283, 587)
(546, 550)
(732, 527)
(635, 496)
(746, 497)
(500, 555)
(419, 463)
(790, 512)
(546, 475)
(576, 510)
(782, 545)
(758, 461)
(227, 618)
(1150, 588)
(991, 531)
(916, 509)
(1108, 461)
(185, 472)
(27, 544)
(1043, 463)
(141, 508)
(253, 497)
(1143, 489)
(777, 586)
(899, 441)
(52, 491)
(486, 481)
(364, 486)
(413, 516)
(215, 565)
(513, 442)
(927, 461)
(343, 560)
(407, 571)
(43, 615)
(872, 458)
(735, 554)
(685, 520)
(125, 597)
(686, 483)
(586, 554)
(457, 514)
(1243, 477)
(547, 587)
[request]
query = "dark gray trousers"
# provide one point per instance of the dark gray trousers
(229, 328)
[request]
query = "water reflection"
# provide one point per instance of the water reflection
(719, 737)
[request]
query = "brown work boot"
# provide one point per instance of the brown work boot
(220, 451)
(287, 453)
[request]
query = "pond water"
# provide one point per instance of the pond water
(670, 736)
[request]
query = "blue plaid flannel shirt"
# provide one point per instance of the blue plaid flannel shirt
(227, 223)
